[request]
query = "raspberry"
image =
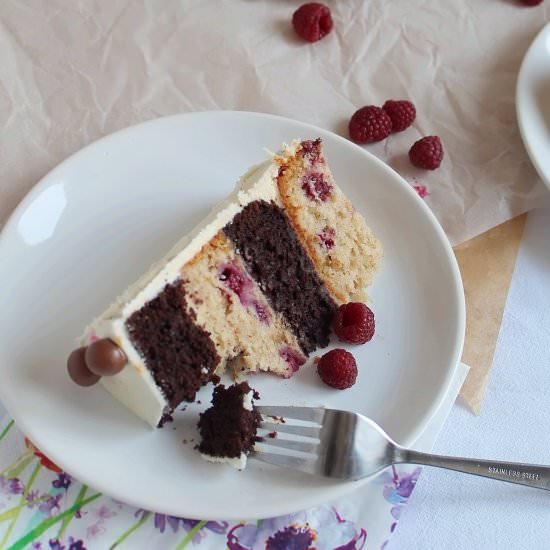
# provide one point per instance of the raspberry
(354, 323)
(316, 187)
(312, 21)
(402, 114)
(311, 150)
(327, 237)
(338, 369)
(422, 191)
(427, 153)
(369, 124)
(531, 2)
(294, 358)
(234, 278)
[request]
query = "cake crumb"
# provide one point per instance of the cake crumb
(277, 419)
(166, 417)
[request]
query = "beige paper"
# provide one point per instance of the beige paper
(486, 264)
(74, 71)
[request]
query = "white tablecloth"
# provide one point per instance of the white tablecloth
(454, 511)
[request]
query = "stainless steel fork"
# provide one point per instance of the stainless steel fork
(348, 446)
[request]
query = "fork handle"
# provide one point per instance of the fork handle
(532, 475)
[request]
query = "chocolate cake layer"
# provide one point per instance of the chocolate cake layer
(180, 355)
(273, 255)
(227, 429)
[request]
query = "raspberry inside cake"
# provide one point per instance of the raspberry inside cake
(228, 428)
(253, 288)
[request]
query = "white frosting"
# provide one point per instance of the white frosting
(134, 386)
(239, 463)
(247, 401)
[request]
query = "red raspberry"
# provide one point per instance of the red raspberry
(338, 369)
(369, 124)
(427, 153)
(316, 187)
(402, 113)
(354, 323)
(312, 21)
(531, 2)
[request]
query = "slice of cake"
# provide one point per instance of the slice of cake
(254, 287)
(228, 428)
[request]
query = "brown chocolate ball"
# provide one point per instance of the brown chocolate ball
(78, 370)
(105, 358)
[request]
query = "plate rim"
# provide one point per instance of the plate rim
(520, 101)
(458, 299)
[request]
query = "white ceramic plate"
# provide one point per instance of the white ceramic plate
(533, 103)
(97, 221)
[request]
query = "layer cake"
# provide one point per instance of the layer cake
(253, 288)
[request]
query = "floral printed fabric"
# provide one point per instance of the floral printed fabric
(43, 508)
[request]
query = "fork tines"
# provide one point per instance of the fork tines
(295, 429)
(308, 414)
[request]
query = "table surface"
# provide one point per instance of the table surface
(454, 511)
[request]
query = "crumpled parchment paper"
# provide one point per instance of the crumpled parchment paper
(72, 72)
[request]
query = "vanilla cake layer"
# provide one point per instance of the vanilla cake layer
(248, 334)
(343, 248)
(254, 286)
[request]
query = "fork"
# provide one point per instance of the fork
(349, 446)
